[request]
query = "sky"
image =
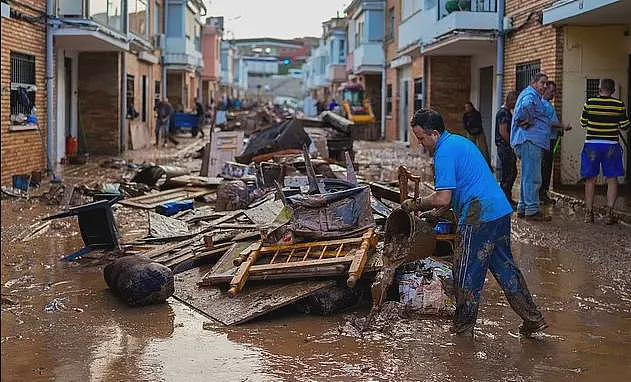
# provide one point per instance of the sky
(274, 18)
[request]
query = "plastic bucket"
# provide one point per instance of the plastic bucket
(72, 146)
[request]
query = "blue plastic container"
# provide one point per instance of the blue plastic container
(172, 208)
(444, 227)
(185, 121)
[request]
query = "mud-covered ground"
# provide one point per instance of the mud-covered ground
(59, 321)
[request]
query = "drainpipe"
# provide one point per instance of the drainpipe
(500, 53)
(123, 114)
(384, 85)
(499, 69)
(50, 91)
(163, 51)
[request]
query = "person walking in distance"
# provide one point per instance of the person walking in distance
(505, 153)
(556, 130)
(530, 136)
(164, 111)
(464, 183)
(472, 121)
(603, 118)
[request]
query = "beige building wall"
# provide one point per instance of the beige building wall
(589, 53)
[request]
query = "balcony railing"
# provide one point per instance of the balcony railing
(445, 7)
(110, 13)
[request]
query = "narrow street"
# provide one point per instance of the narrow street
(577, 273)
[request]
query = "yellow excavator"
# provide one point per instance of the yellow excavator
(356, 107)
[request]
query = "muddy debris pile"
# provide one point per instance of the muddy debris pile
(275, 215)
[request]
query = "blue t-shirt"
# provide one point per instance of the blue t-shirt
(460, 167)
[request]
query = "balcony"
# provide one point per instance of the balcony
(472, 15)
(368, 58)
(91, 25)
(182, 53)
(587, 12)
(336, 72)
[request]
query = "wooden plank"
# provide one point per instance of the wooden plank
(161, 226)
(384, 192)
(359, 260)
(252, 302)
(153, 200)
(309, 273)
(168, 247)
(303, 264)
(313, 244)
(196, 181)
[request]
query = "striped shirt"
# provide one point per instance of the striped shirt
(603, 117)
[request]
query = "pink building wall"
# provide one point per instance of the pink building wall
(211, 52)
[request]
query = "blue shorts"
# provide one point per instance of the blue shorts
(596, 154)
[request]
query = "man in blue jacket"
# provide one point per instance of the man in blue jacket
(465, 183)
(530, 136)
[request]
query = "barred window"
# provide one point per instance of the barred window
(23, 87)
(418, 94)
(524, 74)
(592, 87)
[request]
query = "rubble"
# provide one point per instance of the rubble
(283, 219)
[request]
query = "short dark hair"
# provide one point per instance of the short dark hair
(608, 84)
(511, 95)
(538, 76)
(428, 119)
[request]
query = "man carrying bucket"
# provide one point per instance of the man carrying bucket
(464, 182)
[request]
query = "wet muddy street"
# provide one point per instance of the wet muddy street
(59, 320)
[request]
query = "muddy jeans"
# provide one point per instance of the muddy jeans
(481, 247)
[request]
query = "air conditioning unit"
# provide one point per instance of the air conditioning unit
(159, 41)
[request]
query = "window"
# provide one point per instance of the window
(592, 87)
(174, 23)
(525, 73)
(410, 7)
(130, 94)
(157, 93)
(390, 26)
(418, 94)
(107, 12)
(22, 86)
(342, 52)
(158, 25)
(138, 17)
(389, 99)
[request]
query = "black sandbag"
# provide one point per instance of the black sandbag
(285, 136)
(139, 281)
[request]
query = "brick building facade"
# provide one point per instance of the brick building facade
(23, 147)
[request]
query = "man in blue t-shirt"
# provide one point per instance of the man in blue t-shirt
(464, 183)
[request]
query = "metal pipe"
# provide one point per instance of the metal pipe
(163, 51)
(383, 100)
(500, 53)
(499, 69)
(50, 94)
(123, 103)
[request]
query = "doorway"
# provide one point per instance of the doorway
(404, 101)
(486, 102)
(628, 177)
(68, 96)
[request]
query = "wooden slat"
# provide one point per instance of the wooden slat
(303, 264)
(313, 244)
(153, 200)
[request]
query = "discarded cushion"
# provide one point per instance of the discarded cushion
(139, 281)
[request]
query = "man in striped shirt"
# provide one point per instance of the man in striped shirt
(603, 118)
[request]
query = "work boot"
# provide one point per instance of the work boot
(611, 218)
(528, 328)
(539, 217)
(461, 331)
(589, 216)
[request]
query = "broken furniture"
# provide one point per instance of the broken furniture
(405, 176)
(97, 225)
(303, 260)
(223, 147)
(287, 135)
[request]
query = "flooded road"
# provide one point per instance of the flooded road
(59, 321)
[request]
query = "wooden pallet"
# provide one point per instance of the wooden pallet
(174, 254)
(306, 258)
